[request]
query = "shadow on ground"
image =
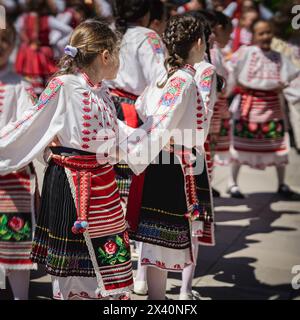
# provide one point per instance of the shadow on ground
(234, 278)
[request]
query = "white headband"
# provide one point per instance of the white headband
(71, 51)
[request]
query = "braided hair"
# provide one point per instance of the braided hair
(179, 37)
(129, 11)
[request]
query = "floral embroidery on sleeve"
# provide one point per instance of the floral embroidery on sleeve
(48, 94)
(173, 92)
(155, 43)
(206, 80)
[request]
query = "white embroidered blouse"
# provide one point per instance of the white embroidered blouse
(142, 57)
(254, 68)
(174, 111)
(80, 114)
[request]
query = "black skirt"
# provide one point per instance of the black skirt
(62, 252)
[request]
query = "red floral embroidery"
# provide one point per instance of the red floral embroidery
(252, 126)
(145, 260)
(16, 223)
(86, 132)
(160, 264)
(110, 247)
(86, 124)
(87, 117)
(85, 146)
(86, 139)
(87, 109)
(86, 102)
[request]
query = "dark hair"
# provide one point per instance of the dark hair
(180, 35)
(209, 16)
(157, 10)
(209, 20)
(259, 21)
(90, 38)
(221, 19)
(129, 11)
(42, 7)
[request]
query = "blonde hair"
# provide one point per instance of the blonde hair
(90, 38)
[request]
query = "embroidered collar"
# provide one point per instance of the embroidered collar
(189, 69)
(89, 81)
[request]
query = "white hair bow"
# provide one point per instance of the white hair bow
(71, 51)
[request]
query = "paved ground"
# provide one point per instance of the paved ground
(257, 243)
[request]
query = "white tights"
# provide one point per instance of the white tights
(19, 282)
(157, 278)
(189, 271)
(235, 169)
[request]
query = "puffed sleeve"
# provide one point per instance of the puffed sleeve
(23, 140)
(144, 145)
(151, 55)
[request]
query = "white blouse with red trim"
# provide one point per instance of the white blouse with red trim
(142, 58)
(81, 115)
(262, 70)
(175, 111)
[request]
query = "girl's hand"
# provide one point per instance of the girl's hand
(55, 143)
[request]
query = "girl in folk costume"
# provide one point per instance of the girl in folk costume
(164, 211)
(35, 59)
(141, 61)
(18, 188)
(260, 138)
(220, 124)
(206, 80)
(81, 235)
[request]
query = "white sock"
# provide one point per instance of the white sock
(189, 271)
(157, 283)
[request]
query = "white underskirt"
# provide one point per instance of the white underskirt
(80, 288)
(169, 259)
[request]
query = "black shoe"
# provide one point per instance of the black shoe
(287, 193)
(235, 192)
(216, 193)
